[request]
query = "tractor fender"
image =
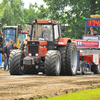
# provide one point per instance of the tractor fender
(64, 41)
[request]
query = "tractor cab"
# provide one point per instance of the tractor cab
(22, 35)
(14, 33)
(9, 33)
(43, 30)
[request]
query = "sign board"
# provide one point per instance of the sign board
(90, 37)
(93, 22)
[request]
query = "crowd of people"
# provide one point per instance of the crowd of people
(6, 51)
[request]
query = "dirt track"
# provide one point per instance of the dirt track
(37, 86)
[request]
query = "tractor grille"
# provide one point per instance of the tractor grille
(33, 50)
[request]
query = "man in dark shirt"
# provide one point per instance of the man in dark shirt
(92, 32)
(14, 46)
(6, 52)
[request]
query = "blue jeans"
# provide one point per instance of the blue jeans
(6, 63)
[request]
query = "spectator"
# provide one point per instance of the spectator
(11, 45)
(6, 52)
(92, 32)
(14, 46)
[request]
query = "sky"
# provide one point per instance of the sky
(26, 3)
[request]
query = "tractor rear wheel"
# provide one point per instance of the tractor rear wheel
(63, 52)
(71, 59)
(21, 46)
(30, 69)
(53, 62)
(95, 69)
(16, 62)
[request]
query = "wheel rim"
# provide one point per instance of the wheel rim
(74, 60)
(58, 65)
(99, 67)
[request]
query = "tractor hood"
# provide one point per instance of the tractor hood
(41, 43)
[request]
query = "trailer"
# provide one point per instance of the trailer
(89, 49)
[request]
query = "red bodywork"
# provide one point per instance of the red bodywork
(46, 21)
(84, 44)
(88, 58)
(23, 32)
(64, 41)
(42, 47)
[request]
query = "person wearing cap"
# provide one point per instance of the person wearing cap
(92, 32)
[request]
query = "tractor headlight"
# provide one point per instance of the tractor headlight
(36, 54)
(30, 54)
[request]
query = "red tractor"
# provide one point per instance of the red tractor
(47, 52)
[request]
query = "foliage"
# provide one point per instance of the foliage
(70, 12)
(91, 94)
(11, 12)
(29, 14)
(73, 12)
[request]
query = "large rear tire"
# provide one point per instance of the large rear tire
(71, 59)
(16, 62)
(63, 52)
(21, 46)
(53, 63)
(96, 69)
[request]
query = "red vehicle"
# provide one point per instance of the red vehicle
(89, 48)
(47, 52)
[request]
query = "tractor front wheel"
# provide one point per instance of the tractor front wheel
(16, 62)
(53, 63)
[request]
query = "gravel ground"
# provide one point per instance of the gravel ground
(26, 87)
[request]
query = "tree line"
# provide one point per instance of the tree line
(69, 12)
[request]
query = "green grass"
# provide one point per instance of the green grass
(91, 94)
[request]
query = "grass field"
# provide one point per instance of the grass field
(91, 94)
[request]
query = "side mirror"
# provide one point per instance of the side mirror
(62, 27)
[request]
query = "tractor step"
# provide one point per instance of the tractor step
(85, 72)
(88, 72)
(78, 72)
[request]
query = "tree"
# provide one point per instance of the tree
(12, 13)
(74, 16)
(29, 14)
